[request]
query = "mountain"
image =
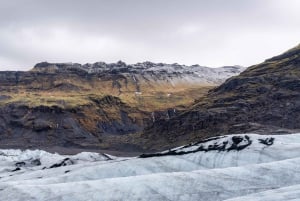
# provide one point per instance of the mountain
(265, 98)
(141, 73)
(233, 167)
(96, 106)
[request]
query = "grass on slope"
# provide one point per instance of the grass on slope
(146, 101)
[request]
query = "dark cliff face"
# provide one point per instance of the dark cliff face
(265, 98)
(85, 126)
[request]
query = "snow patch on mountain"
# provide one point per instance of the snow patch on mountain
(149, 71)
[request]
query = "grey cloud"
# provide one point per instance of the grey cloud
(212, 33)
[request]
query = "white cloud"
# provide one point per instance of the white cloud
(189, 29)
(59, 44)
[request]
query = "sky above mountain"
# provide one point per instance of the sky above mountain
(212, 33)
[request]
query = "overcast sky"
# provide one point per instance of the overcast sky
(211, 32)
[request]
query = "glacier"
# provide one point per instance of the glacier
(232, 167)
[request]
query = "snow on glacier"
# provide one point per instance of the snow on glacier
(234, 167)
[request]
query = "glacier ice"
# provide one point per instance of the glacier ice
(233, 167)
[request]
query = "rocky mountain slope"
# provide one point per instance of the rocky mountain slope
(175, 74)
(234, 167)
(95, 106)
(263, 98)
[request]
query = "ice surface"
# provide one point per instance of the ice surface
(235, 167)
